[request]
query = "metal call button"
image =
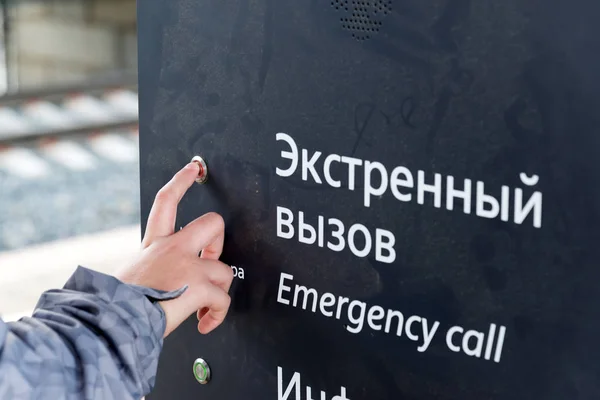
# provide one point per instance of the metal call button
(201, 371)
(203, 173)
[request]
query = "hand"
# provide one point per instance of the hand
(169, 260)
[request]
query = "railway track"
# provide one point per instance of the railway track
(60, 111)
(68, 162)
(70, 125)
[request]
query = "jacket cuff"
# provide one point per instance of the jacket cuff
(122, 313)
(130, 297)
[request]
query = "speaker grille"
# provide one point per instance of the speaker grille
(362, 19)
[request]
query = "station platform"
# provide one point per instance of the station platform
(26, 273)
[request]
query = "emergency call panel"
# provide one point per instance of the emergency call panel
(410, 188)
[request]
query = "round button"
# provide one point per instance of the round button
(201, 371)
(203, 173)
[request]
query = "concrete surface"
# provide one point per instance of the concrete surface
(27, 272)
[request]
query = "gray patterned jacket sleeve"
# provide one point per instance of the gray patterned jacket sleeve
(97, 338)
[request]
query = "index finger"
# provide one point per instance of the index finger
(162, 217)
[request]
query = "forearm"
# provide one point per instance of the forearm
(96, 338)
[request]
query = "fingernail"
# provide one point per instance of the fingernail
(192, 166)
(202, 169)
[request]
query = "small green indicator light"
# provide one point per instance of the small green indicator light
(201, 371)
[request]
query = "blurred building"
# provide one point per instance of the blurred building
(63, 41)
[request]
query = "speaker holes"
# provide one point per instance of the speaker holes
(362, 18)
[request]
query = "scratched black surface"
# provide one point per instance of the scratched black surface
(474, 89)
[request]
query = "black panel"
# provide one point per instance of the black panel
(479, 90)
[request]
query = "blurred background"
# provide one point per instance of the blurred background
(69, 191)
